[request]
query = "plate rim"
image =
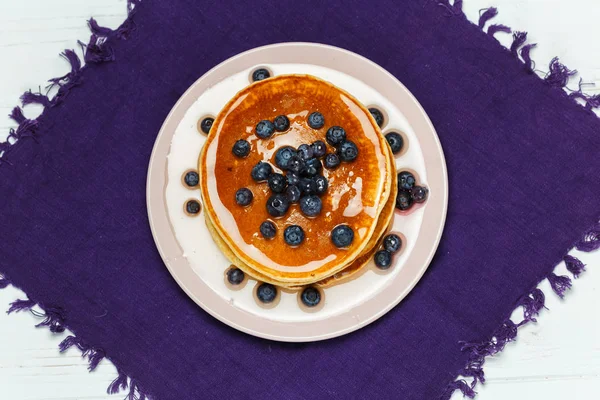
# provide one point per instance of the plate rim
(213, 303)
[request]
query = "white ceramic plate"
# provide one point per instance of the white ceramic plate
(196, 262)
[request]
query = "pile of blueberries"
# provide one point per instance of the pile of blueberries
(409, 192)
(301, 181)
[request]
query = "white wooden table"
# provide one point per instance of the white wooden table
(558, 358)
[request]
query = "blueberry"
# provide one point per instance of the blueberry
(243, 196)
(403, 200)
(283, 155)
(392, 243)
(191, 178)
(332, 161)
(383, 259)
(295, 165)
(192, 207)
(311, 205)
(282, 123)
(310, 297)
(319, 149)
(377, 115)
(260, 74)
(265, 129)
(293, 235)
(206, 124)
(395, 141)
(348, 151)
(277, 205)
(235, 276)
(312, 167)
(335, 135)
(241, 148)
(305, 152)
(261, 171)
(266, 292)
(292, 178)
(406, 180)
(307, 186)
(419, 194)
(268, 230)
(342, 236)
(277, 183)
(293, 194)
(316, 120)
(321, 184)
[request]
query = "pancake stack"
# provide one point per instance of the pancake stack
(270, 220)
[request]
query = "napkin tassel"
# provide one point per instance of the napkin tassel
(529, 63)
(20, 305)
(559, 74)
(478, 352)
(453, 9)
(574, 265)
(519, 39)
(560, 284)
(96, 51)
(94, 355)
(120, 383)
(488, 13)
(35, 98)
(54, 319)
(532, 304)
(591, 240)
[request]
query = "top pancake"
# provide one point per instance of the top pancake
(357, 190)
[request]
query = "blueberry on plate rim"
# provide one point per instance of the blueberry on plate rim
(392, 243)
(377, 116)
(206, 124)
(316, 120)
(311, 297)
(243, 197)
(383, 259)
(406, 180)
(293, 235)
(404, 200)
(241, 148)
(192, 207)
(235, 276)
(268, 230)
(419, 194)
(260, 74)
(266, 293)
(342, 236)
(395, 141)
(191, 179)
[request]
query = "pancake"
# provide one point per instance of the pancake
(358, 191)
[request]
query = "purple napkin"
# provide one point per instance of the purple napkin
(524, 187)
